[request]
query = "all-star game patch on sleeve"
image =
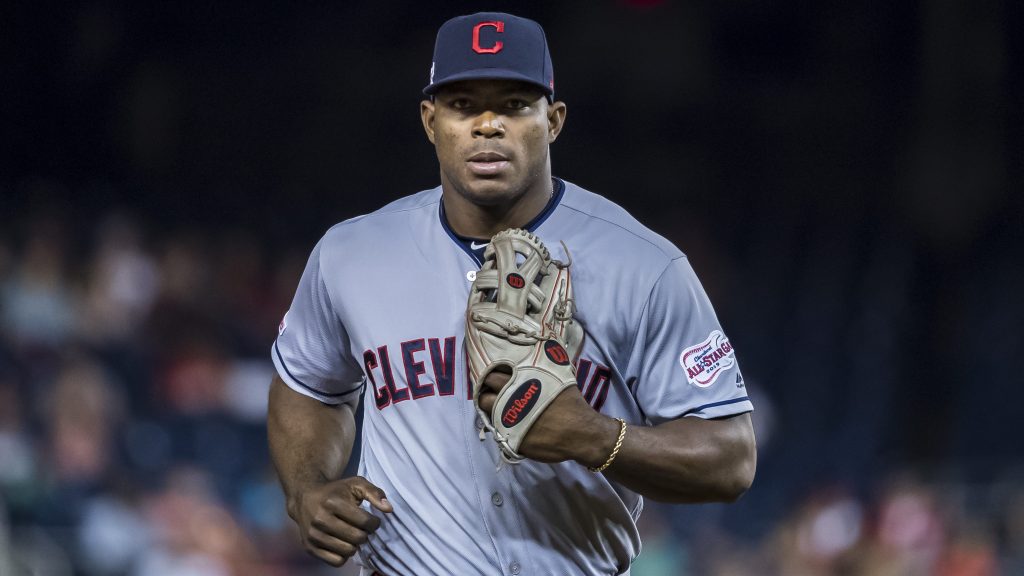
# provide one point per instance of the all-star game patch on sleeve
(685, 363)
(311, 350)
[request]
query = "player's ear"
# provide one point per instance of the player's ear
(427, 115)
(556, 119)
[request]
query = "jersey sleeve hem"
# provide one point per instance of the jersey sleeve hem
(722, 408)
(346, 397)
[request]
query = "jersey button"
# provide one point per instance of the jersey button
(514, 568)
(496, 499)
(471, 275)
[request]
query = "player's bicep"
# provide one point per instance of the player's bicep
(311, 351)
(685, 364)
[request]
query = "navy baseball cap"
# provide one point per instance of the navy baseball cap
(491, 45)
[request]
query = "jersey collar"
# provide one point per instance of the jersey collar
(475, 246)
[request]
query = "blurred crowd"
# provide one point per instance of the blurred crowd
(907, 528)
(133, 382)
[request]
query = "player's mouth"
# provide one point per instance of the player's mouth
(487, 163)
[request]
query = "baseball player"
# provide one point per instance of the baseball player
(397, 307)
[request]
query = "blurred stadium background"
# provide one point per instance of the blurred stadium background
(845, 177)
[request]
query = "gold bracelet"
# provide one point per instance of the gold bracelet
(615, 451)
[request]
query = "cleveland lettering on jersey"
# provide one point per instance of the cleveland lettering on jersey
(595, 390)
(592, 378)
(442, 363)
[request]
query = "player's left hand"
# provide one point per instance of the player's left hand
(520, 320)
(555, 436)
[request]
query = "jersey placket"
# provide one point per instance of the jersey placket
(498, 509)
(492, 490)
(525, 556)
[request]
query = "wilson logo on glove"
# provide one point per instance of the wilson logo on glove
(556, 353)
(521, 402)
(515, 280)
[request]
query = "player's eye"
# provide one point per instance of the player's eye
(459, 103)
(516, 104)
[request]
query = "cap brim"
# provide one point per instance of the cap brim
(485, 74)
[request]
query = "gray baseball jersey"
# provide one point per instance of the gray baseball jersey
(379, 312)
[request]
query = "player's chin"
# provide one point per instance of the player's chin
(490, 191)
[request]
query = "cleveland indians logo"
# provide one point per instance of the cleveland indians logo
(521, 402)
(706, 361)
(497, 25)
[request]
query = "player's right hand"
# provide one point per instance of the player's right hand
(331, 522)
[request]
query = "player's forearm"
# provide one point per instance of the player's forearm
(688, 460)
(310, 442)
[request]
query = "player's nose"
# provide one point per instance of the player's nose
(488, 125)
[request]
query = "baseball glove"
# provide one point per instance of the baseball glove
(520, 319)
